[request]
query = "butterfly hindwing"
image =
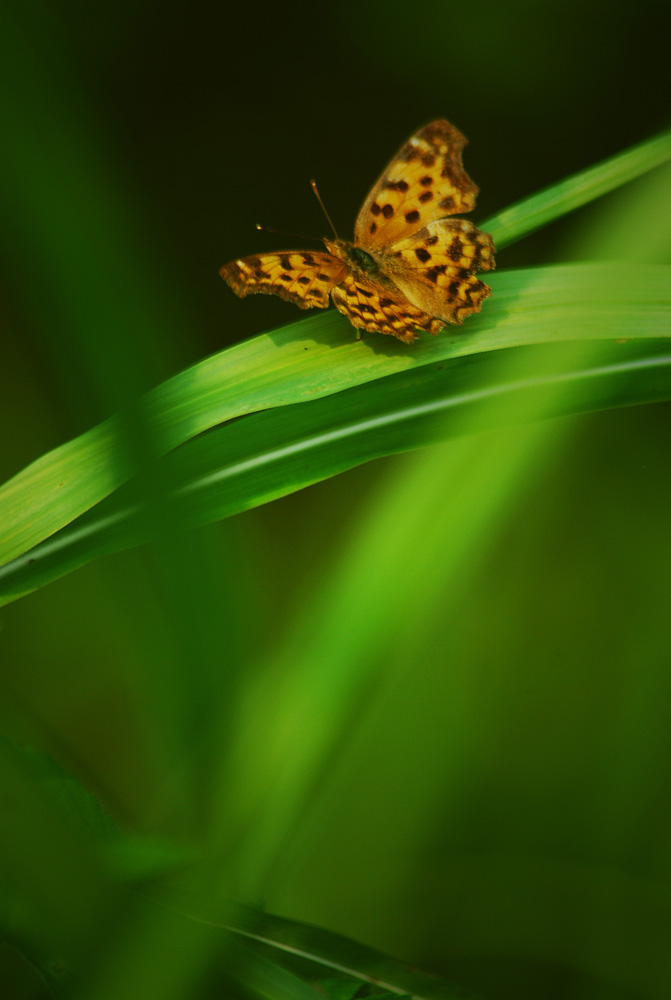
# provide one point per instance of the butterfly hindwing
(378, 308)
(435, 268)
(424, 181)
(306, 279)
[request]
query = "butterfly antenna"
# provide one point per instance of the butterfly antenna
(313, 185)
(281, 232)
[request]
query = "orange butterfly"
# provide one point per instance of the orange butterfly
(411, 267)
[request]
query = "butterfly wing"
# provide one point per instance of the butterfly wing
(306, 279)
(435, 268)
(381, 308)
(424, 181)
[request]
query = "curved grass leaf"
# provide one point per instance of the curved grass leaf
(310, 953)
(269, 454)
(318, 357)
(325, 950)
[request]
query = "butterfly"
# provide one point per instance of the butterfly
(411, 266)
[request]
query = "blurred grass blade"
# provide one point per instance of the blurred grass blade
(255, 973)
(313, 953)
(318, 357)
(540, 209)
(252, 461)
(326, 950)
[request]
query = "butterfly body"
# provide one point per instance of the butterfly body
(356, 257)
(411, 266)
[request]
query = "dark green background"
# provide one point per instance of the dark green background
(500, 811)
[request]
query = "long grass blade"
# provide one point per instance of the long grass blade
(268, 455)
(312, 359)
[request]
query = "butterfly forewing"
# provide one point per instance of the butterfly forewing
(424, 181)
(306, 279)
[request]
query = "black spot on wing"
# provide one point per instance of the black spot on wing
(396, 185)
(455, 249)
(433, 272)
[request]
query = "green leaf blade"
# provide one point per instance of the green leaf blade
(270, 454)
(318, 357)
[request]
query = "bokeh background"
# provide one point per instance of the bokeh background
(496, 809)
